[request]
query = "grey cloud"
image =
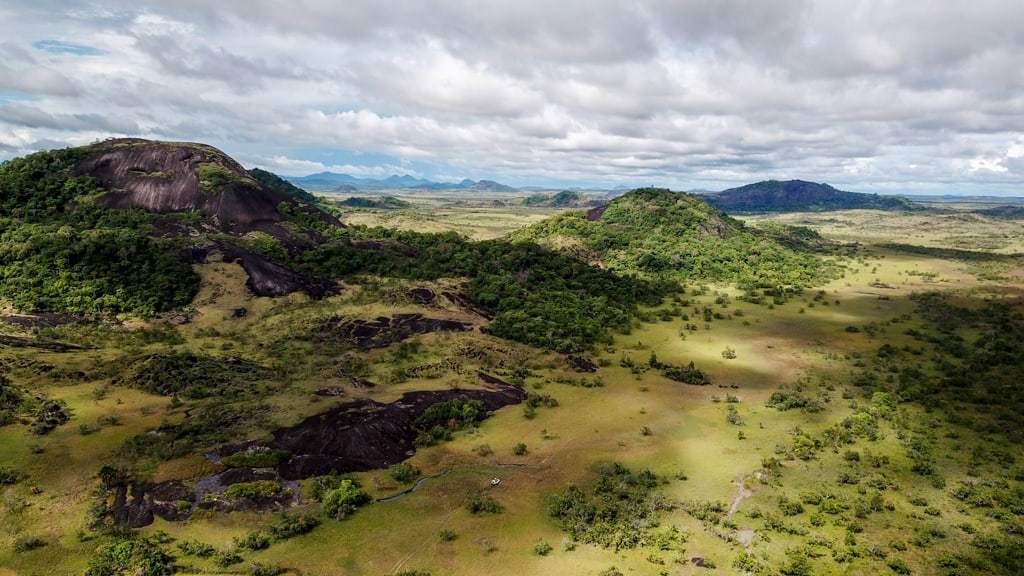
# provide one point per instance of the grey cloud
(872, 93)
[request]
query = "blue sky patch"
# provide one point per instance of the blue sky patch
(61, 47)
(16, 96)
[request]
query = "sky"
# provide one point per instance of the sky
(889, 96)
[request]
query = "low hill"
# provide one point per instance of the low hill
(275, 182)
(799, 196)
(1003, 212)
(563, 199)
(657, 232)
(379, 203)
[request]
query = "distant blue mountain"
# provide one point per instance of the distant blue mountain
(330, 181)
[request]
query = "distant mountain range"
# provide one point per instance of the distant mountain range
(799, 196)
(333, 181)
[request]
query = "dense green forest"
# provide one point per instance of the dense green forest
(537, 295)
(58, 252)
(275, 182)
(654, 232)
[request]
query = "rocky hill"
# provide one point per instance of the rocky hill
(657, 232)
(168, 177)
(114, 227)
(799, 196)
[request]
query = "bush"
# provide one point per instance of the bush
(342, 501)
(227, 558)
(256, 540)
(542, 548)
(404, 472)
(256, 457)
(438, 421)
(10, 476)
(688, 374)
(289, 526)
(196, 548)
(447, 535)
(618, 510)
(259, 489)
(28, 543)
(481, 504)
(133, 557)
(259, 569)
(519, 449)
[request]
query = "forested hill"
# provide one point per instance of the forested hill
(115, 228)
(799, 196)
(654, 232)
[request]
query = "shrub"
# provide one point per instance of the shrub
(10, 476)
(481, 504)
(342, 501)
(404, 472)
(28, 543)
(196, 548)
(618, 510)
(133, 557)
(447, 535)
(542, 548)
(259, 569)
(519, 449)
(259, 489)
(256, 540)
(227, 558)
(256, 457)
(688, 374)
(289, 526)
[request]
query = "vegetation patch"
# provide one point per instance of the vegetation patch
(193, 376)
(618, 510)
(60, 253)
(536, 295)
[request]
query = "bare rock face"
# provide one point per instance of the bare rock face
(267, 278)
(180, 177)
(364, 435)
(594, 214)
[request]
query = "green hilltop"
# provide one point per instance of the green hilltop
(654, 232)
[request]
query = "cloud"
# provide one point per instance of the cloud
(867, 94)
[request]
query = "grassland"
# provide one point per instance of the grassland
(720, 447)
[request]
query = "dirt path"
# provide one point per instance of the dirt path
(742, 493)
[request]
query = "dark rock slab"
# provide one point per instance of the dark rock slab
(581, 363)
(594, 214)
(49, 345)
(383, 331)
(422, 296)
(365, 435)
(466, 303)
(268, 278)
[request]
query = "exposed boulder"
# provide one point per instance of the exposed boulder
(364, 435)
(182, 177)
(383, 331)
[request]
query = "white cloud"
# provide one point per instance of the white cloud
(869, 94)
